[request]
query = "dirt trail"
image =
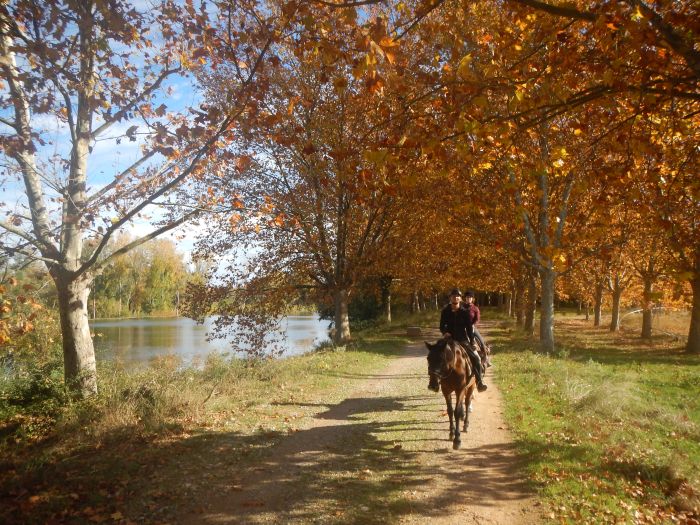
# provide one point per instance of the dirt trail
(383, 442)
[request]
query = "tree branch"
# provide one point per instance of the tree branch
(567, 12)
(675, 41)
(145, 93)
(119, 178)
(13, 125)
(138, 242)
(21, 233)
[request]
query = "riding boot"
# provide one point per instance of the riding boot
(476, 366)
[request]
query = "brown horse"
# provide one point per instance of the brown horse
(447, 361)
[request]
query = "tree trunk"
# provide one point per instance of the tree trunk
(508, 306)
(693, 345)
(615, 321)
(598, 304)
(415, 304)
(519, 303)
(385, 287)
(588, 310)
(80, 370)
(387, 307)
(530, 306)
(342, 321)
(647, 308)
(547, 277)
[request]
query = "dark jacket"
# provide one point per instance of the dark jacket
(458, 323)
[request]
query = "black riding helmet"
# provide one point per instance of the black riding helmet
(456, 291)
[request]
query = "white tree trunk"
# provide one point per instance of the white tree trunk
(342, 321)
(80, 370)
(548, 278)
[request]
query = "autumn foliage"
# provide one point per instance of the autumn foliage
(519, 146)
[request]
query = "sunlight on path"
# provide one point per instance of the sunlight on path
(382, 456)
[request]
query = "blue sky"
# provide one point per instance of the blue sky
(108, 157)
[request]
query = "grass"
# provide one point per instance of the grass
(611, 425)
(123, 440)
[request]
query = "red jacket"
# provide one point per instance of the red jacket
(474, 313)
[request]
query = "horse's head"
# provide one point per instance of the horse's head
(438, 359)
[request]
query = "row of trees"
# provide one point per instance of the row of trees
(515, 144)
(548, 150)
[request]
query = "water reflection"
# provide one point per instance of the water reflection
(135, 342)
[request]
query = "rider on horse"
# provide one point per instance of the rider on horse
(475, 315)
(456, 322)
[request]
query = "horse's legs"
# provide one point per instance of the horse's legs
(459, 414)
(467, 402)
(450, 413)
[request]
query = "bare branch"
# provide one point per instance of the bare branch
(8, 123)
(138, 242)
(29, 255)
(19, 233)
(119, 178)
(144, 94)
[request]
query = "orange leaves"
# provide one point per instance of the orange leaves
(292, 102)
(308, 149)
(18, 311)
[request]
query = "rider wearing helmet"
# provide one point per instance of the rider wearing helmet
(475, 315)
(456, 322)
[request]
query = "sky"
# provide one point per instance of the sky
(107, 158)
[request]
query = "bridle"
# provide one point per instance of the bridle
(444, 369)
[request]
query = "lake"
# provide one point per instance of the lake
(135, 342)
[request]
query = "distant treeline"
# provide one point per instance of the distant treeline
(150, 280)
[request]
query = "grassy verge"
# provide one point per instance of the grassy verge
(126, 454)
(611, 425)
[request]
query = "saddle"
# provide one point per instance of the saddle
(465, 353)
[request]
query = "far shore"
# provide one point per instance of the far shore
(175, 315)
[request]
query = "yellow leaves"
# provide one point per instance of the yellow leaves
(340, 83)
(637, 16)
(463, 69)
(578, 131)
(481, 101)
(518, 47)
(377, 157)
(609, 77)
(387, 45)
